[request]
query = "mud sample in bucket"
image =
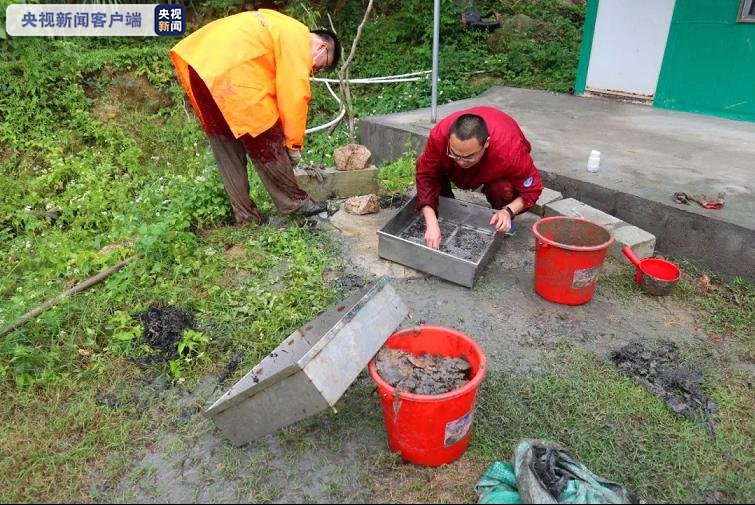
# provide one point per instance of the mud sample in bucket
(423, 375)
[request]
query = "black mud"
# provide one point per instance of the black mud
(657, 367)
(162, 328)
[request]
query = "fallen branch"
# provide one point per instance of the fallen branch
(84, 285)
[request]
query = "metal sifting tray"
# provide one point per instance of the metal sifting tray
(468, 241)
(312, 368)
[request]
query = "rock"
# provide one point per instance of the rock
(361, 205)
(521, 23)
(352, 157)
(515, 26)
(53, 214)
(236, 251)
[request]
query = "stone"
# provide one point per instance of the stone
(352, 157)
(513, 27)
(361, 205)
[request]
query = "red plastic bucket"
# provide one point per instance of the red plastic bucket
(431, 430)
(568, 255)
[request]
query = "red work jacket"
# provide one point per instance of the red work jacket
(507, 157)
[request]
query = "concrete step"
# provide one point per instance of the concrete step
(624, 234)
(546, 197)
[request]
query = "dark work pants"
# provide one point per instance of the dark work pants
(499, 193)
(266, 151)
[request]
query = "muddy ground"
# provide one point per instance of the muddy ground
(344, 456)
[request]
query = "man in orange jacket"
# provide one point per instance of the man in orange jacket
(247, 77)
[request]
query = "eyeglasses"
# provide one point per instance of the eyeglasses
(469, 157)
(327, 58)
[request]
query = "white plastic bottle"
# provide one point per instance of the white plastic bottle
(593, 162)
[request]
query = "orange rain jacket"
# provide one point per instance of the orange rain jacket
(257, 66)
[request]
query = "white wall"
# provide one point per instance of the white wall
(628, 45)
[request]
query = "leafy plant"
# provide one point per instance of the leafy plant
(192, 349)
(398, 176)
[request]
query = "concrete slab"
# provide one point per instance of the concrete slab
(364, 254)
(338, 183)
(642, 242)
(546, 197)
(624, 234)
(574, 208)
(647, 155)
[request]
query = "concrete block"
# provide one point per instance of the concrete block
(339, 184)
(546, 197)
(623, 233)
(642, 242)
(574, 208)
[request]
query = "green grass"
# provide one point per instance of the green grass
(102, 136)
(95, 133)
(725, 308)
(397, 176)
(54, 440)
(728, 307)
(622, 432)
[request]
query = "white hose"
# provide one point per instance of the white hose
(336, 120)
(423, 72)
(368, 80)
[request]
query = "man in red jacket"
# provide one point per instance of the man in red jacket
(480, 146)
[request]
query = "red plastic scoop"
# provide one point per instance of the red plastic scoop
(656, 276)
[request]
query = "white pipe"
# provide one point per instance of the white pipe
(376, 79)
(423, 72)
(367, 81)
(333, 93)
(336, 120)
(326, 125)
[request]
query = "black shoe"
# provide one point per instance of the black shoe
(311, 208)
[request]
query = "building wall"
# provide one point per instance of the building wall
(709, 64)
